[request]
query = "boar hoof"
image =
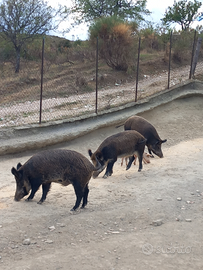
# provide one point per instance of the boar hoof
(74, 209)
(107, 175)
(139, 170)
(128, 167)
(40, 202)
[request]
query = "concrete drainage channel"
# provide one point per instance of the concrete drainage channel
(19, 139)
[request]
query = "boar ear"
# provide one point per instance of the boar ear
(14, 172)
(163, 141)
(90, 152)
(19, 165)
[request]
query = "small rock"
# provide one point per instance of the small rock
(61, 224)
(159, 199)
(48, 241)
(179, 199)
(52, 228)
(26, 241)
(197, 191)
(116, 232)
(192, 193)
(157, 222)
(188, 220)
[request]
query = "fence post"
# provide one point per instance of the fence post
(193, 49)
(96, 77)
(138, 62)
(194, 63)
(42, 68)
(169, 61)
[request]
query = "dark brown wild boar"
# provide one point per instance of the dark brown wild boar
(141, 125)
(122, 144)
(59, 166)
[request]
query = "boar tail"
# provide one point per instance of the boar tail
(120, 126)
(143, 141)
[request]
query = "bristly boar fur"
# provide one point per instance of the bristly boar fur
(145, 128)
(59, 166)
(126, 143)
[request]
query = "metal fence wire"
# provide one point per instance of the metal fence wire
(47, 88)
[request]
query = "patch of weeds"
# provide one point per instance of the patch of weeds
(27, 114)
(87, 89)
(64, 105)
(63, 94)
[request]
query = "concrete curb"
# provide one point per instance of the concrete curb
(19, 139)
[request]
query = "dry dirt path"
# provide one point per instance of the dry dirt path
(134, 220)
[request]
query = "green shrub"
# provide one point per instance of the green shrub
(115, 41)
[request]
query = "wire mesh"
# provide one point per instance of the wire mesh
(69, 93)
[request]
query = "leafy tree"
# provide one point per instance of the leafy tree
(22, 20)
(182, 12)
(90, 10)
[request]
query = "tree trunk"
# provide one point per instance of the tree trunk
(17, 68)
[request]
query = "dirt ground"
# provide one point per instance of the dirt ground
(145, 220)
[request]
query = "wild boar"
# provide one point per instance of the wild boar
(59, 166)
(141, 125)
(122, 144)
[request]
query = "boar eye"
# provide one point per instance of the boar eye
(99, 156)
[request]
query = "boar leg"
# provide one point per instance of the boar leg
(140, 157)
(150, 152)
(79, 192)
(86, 191)
(109, 169)
(45, 190)
(33, 191)
(131, 159)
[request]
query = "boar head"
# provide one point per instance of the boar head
(22, 187)
(156, 148)
(98, 161)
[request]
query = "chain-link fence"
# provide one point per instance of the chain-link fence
(67, 83)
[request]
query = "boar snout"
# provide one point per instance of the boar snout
(96, 173)
(20, 194)
(18, 197)
(159, 154)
